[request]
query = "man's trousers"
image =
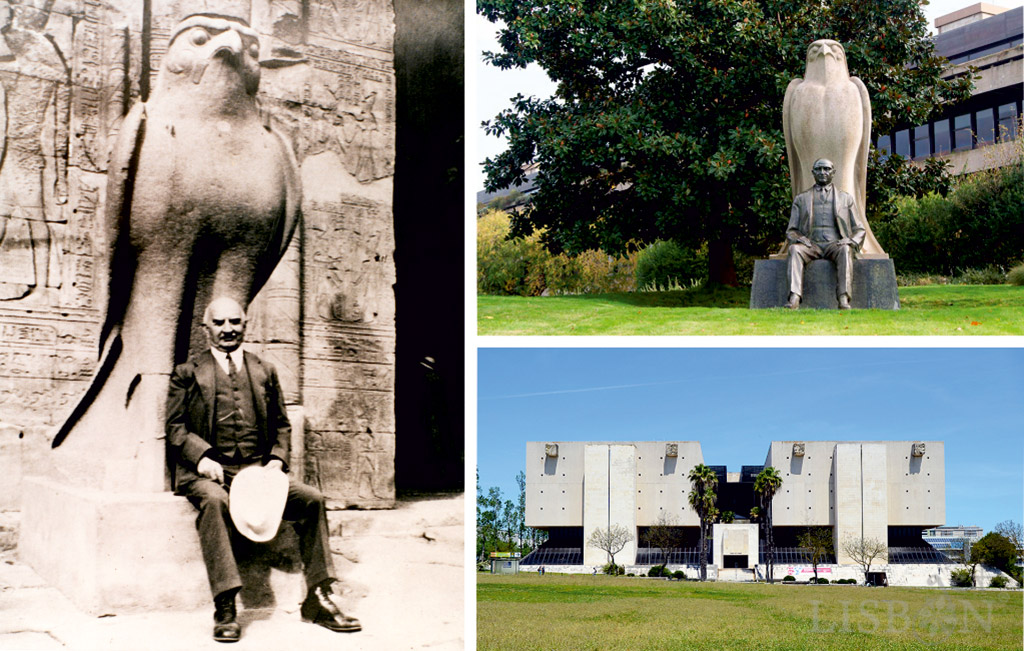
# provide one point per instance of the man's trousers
(304, 508)
(841, 254)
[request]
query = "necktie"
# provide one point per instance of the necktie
(232, 369)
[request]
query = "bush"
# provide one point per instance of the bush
(998, 582)
(962, 578)
(976, 226)
(822, 581)
(666, 265)
(679, 575)
(1016, 275)
(631, 574)
(510, 267)
(990, 275)
(523, 267)
(789, 577)
(613, 569)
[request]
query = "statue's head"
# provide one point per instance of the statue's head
(823, 171)
(216, 47)
(823, 48)
(224, 320)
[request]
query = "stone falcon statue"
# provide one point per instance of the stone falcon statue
(827, 114)
(202, 200)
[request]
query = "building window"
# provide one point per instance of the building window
(942, 137)
(903, 143)
(884, 147)
(1007, 122)
(986, 127)
(962, 131)
(922, 145)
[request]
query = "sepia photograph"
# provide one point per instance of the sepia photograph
(231, 398)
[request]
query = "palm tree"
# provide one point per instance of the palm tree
(766, 485)
(702, 499)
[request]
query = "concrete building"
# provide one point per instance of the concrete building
(952, 540)
(887, 490)
(980, 132)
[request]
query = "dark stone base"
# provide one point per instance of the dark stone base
(874, 285)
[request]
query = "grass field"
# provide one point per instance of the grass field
(600, 612)
(928, 310)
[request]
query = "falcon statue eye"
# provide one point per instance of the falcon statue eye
(199, 36)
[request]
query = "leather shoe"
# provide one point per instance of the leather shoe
(794, 302)
(844, 302)
(319, 609)
(225, 627)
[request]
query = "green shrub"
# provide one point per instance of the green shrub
(613, 569)
(1016, 275)
(977, 225)
(822, 581)
(998, 582)
(990, 275)
(523, 267)
(962, 578)
(631, 574)
(665, 265)
(679, 575)
(508, 267)
(658, 570)
(789, 577)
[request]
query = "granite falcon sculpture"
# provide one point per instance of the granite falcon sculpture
(827, 114)
(202, 200)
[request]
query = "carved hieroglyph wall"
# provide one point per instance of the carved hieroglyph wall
(69, 69)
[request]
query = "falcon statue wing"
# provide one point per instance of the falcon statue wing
(278, 243)
(796, 180)
(118, 265)
(860, 181)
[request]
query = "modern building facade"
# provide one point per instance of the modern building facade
(980, 132)
(890, 491)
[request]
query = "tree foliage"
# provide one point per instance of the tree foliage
(816, 543)
(996, 550)
(702, 498)
(766, 484)
(611, 539)
(865, 551)
(666, 122)
(664, 536)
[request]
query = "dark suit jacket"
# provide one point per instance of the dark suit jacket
(844, 210)
(190, 413)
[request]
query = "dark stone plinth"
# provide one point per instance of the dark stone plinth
(874, 285)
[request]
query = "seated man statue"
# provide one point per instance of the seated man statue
(823, 223)
(225, 412)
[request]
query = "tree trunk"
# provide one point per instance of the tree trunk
(721, 266)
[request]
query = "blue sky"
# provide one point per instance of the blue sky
(494, 87)
(734, 401)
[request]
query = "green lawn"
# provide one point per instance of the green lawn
(600, 612)
(928, 310)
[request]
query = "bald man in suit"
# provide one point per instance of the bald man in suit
(225, 412)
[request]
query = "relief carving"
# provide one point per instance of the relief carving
(34, 115)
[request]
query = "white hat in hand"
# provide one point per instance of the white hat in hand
(256, 502)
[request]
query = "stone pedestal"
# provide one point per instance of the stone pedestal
(874, 285)
(139, 552)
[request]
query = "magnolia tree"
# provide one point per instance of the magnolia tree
(666, 121)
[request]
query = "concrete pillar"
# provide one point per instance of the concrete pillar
(859, 479)
(609, 497)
